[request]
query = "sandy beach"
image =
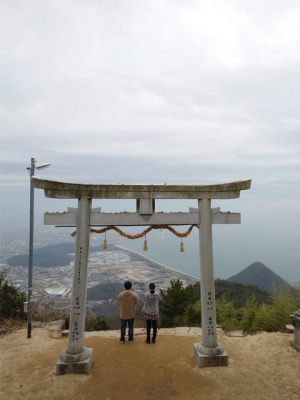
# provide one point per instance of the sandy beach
(156, 262)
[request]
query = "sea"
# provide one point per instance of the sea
(164, 247)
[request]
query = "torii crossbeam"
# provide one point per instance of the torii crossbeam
(209, 352)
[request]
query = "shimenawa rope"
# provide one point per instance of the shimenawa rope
(144, 233)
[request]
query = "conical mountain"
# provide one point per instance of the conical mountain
(259, 275)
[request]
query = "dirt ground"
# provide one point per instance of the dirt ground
(262, 366)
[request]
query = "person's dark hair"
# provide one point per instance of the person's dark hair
(127, 285)
(152, 288)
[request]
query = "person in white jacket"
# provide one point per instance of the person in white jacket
(151, 311)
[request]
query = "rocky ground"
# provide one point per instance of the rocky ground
(262, 366)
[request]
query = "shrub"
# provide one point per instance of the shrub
(11, 299)
(227, 315)
(94, 323)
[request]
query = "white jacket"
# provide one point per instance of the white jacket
(151, 303)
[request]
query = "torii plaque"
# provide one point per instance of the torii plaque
(209, 352)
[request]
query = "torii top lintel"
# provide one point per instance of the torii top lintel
(68, 190)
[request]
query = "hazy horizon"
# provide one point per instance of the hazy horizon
(228, 259)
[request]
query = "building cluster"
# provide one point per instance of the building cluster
(104, 267)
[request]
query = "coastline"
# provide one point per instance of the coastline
(156, 262)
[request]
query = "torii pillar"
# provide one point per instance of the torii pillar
(77, 358)
(209, 352)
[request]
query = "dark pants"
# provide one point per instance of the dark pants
(154, 326)
(130, 329)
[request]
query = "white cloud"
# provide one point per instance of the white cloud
(176, 91)
(208, 83)
(217, 25)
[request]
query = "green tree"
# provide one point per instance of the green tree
(3, 274)
(227, 315)
(274, 317)
(264, 319)
(192, 316)
(249, 315)
(11, 299)
(175, 303)
(297, 298)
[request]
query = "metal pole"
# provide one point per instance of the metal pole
(30, 263)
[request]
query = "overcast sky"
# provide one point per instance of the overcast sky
(175, 91)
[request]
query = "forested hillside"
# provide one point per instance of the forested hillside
(105, 291)
(237, 293)
(249, 309)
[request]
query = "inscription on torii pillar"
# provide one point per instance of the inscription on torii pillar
(209, 352)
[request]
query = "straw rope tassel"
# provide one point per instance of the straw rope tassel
(181, 246)
(145, 248)
(105, 243)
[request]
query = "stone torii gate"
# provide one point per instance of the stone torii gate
(209, 352)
